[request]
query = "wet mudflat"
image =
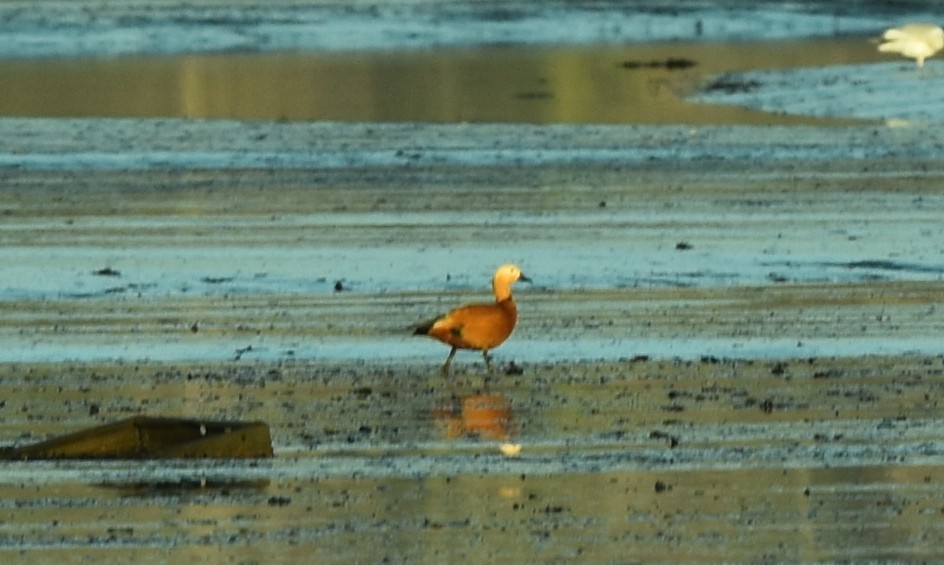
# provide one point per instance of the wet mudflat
(622, 228)
(731, 352)
(719, 361)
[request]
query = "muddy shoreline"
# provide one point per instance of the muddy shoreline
(636, 457)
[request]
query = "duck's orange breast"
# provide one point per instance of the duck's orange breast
(477, 326)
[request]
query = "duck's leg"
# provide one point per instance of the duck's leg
(488, 361)
(445, 367)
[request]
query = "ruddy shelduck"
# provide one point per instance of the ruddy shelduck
(916, 41)
(479, 326)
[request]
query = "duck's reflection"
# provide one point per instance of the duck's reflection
(483, 416)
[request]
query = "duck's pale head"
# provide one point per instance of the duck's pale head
(505, 276)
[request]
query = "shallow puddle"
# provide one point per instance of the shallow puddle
(642, 84)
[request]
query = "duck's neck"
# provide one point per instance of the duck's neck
(502, 290)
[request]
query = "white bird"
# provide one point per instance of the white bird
(916, 41)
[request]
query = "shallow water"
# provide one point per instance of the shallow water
(660, 257)
(573, 84)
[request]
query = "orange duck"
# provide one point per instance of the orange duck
(479, 326)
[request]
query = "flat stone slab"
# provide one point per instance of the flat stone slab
(143, 437)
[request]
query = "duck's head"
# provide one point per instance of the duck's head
(505, 276)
